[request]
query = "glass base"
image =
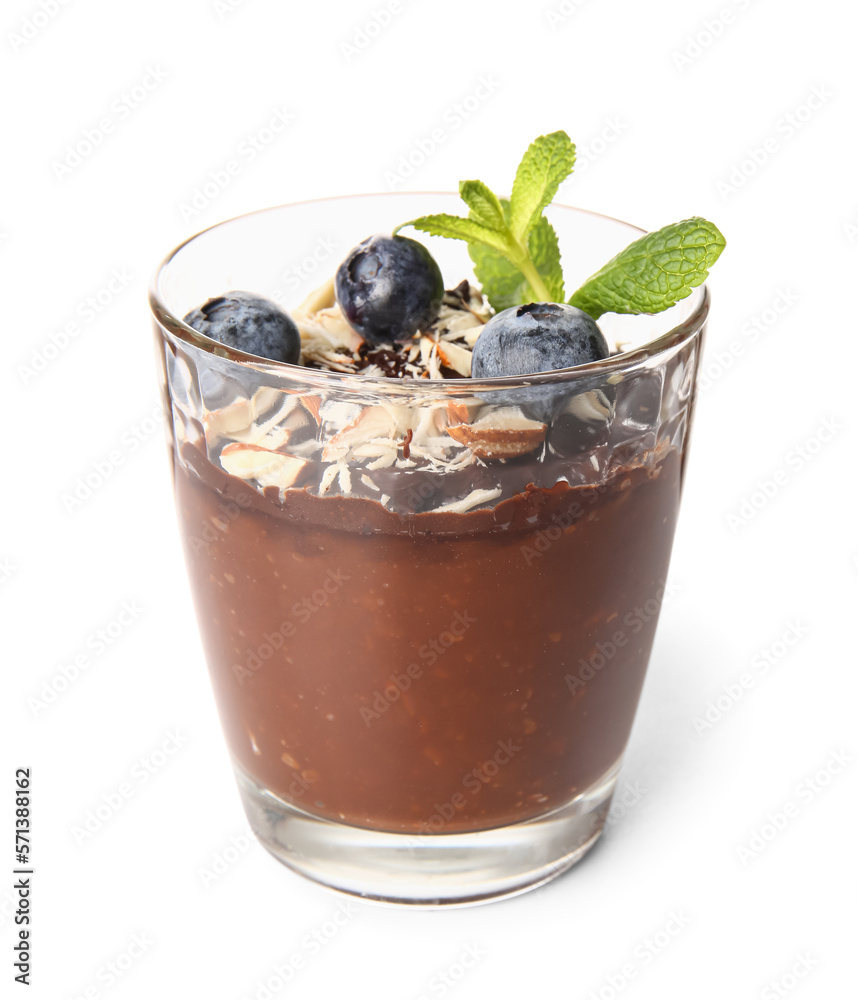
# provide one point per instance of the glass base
(429, 870)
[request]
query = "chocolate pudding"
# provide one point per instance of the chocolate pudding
(431, 671)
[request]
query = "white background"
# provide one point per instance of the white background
(665, 130)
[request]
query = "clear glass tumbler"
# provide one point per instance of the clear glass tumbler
(427, 605)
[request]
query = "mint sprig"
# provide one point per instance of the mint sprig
(517, 259)
(654, 272)
(546, 164)
(503, 283)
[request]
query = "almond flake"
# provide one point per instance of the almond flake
(270, 468)
(240, 414)
(503, 433)
(384, 462)
(328, 477)
(312, 404)
(460, 323)
(455, 357)
(371, 422)
(593, 407)
(473, 499)
(345, 477)
(322, 298)
(458, 412)
(325, 331)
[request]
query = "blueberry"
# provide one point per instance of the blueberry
(389, 287)
(249, 323)
(539, 337)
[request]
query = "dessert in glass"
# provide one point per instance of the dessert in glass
(427, 600)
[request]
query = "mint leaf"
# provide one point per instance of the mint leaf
(476, 233)
(547, 163)
(483, 203)
(545, 251)
(502, 282)
(457, 228)
(654, 272)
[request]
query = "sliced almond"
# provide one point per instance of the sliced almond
(473, 499)
(592, 407)
(237, 416)
(455, 357)
(472, 335)
(321, 298)
(312, 404)
(270, 468)
(240, 414)
(372, 422)
(500, 434)
(325, 330)
(459, 325)
(460, 412)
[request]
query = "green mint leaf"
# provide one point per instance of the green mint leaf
(654, 272)
(457, 228)
(483, 203)
(547, 163)
(545, 253)
(502, 282)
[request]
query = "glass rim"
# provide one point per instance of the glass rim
(652, 351)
